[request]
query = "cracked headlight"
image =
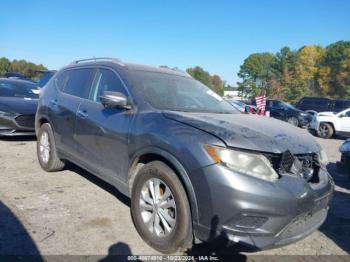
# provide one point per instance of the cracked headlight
(322, 156)
(256, 165)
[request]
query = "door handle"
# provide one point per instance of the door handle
(82, 113)
(54, 102)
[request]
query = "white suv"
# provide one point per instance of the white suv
(326, 124)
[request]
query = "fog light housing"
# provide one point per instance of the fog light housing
(247, 221)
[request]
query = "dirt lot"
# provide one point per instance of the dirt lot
(72, 212)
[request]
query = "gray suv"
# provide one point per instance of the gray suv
(193, 166)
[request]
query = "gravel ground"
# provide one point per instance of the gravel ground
(74, 213)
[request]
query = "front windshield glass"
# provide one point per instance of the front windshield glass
(24, 90)
(177, 93)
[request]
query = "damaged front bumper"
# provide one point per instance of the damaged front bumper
(257, 213)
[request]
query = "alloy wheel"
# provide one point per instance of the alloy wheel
(44, 147)
(158, 207)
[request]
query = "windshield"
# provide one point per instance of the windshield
(177, 93)
(25, 90)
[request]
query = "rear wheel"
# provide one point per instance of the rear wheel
(46, 150)
(325, 130)
(160, 209)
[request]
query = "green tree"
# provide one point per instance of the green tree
(284, 73)
(214, 82)
(307, 69)
(5, 65)
(337, 59)
(28, 69)
(257, 72)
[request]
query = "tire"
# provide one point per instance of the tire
(180, 236)
(51, 161)
(325, 130)
(293, 121)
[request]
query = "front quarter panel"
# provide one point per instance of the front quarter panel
(185, 143)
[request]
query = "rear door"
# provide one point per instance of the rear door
(102, 133)
(75, 86)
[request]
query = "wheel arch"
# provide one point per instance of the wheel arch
(39, 122)
(152, 154)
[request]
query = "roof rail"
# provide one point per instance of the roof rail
(180, 70)
(95, 59)
(175, 69)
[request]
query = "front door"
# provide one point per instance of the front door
(102, 133)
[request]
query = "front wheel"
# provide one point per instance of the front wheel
(160, 209)
(325, 130)
(46, 150)
(293, 121)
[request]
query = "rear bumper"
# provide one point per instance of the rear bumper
(255, 213)
(18, 125)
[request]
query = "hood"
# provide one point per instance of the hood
(250, 132)
(20, 105)
(326, 114)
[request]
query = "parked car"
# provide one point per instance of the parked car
(18, 104)
(340, 105)
(45, 76)
(327, 124)
(344, 164)
(286, 112)
(321, 104)
(192, 165)
(318, 104)
(19, 76)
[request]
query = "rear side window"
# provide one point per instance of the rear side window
(106, 80)
(79, 82)
(61, 80)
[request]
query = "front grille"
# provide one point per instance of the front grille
(287, 161)
(305, 165)
(26, 121)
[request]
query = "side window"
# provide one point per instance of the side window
(338, 104)
(306, 102)
(347, 114)
(61, 80)
(79, 82)
(106, 80)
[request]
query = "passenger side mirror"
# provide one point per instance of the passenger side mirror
(114, 100)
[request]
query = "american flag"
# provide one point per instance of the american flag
(261, 103)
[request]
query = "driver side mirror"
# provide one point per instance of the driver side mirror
(114, 100)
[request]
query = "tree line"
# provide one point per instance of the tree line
(28, 69)
(312, 70)
(214, 82)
